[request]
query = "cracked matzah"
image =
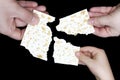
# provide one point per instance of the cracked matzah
(76, 23)
(64, 52)
(37, 38)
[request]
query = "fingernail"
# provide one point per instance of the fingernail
(42, 8)
(35, 4)
(77, 54)
(91, 21)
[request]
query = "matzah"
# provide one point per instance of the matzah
(37, 38)
(64, 53)
(76, 23)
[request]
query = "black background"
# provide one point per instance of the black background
(16, 61)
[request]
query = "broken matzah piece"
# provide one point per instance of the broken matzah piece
(37, 38)
(76, 23)
(64, 53)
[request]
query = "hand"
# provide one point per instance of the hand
(29, 5)
(105, 20)
(16, 14)
(96, 60)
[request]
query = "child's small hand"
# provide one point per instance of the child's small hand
(96, 60)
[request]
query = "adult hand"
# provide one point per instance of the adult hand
(105, 20)
(16, 14)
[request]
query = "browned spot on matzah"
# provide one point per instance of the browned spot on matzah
(39, 56)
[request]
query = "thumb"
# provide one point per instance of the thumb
(27, 16)
(100, 21)
(84, 59)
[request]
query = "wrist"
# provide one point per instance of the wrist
(105, 78)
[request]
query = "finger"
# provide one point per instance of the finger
(27, 16)
(27, 3)
(102, 32)
(30, 9)
(41, 8)
(96, 53)
(77, 54)
(84, 59)
(20, 23)
(16, 34)
(92, 14)
(100, 21)
(89, 49)
(46, 12)
(101, 9)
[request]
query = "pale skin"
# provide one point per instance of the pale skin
(16, 14)
(97, 62)
(105, 20)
